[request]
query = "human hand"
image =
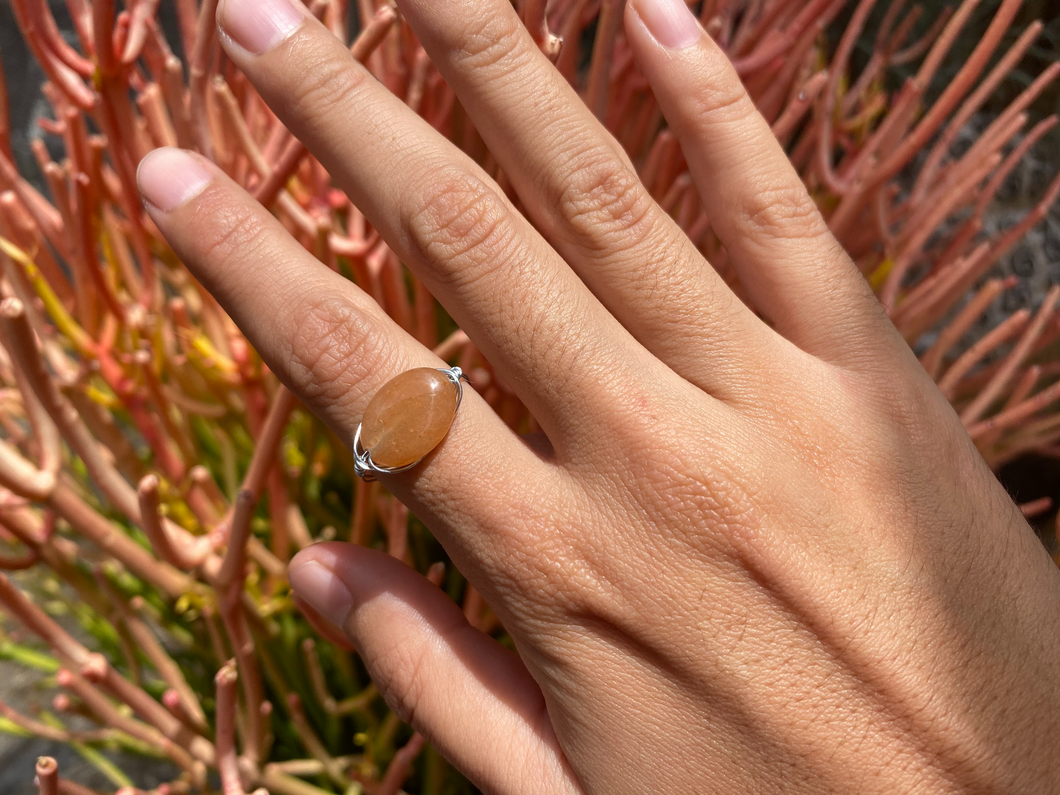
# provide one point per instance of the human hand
(749, 557)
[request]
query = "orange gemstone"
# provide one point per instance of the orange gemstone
(408, 417)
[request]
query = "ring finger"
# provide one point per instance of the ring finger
(334, 346)
(584, 194)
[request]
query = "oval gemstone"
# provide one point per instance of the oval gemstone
(408, 417)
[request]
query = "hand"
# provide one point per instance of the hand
(750, 557)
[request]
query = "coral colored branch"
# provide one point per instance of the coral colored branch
(87, 238)
(61, 75)
(201, 56)
(971, 105)
(607, 30)
(20, 477)
(229, 583)
(1013, 325)
(313, 744)
(44, 429)
(94, 667)
(109, 715)
(280, 783)
(317, 680)
(152, 105)
(918, 233)
(536, 22)
(23, 348)
(268, 441)
(47, 776)
(225, 735)
(281, 174)
(373, 34)
(839, 64)
(1017, 413)
(102, 25)
(21, 562)
(1035, 507)
(184, 550)
(400, 766)
(176, 102)
(5, 118)
(797, 109)
(54, 41)
(954, 91)
(949, 336)
(230, 577)
(452, 345)
(44, 730)
(253, 690)
(165, 665)
(141, 13)
(46, 216)
(112, 540)
(918, 48)
(1012, 160)
(1013, 361)
(814, 13)
(112, 484)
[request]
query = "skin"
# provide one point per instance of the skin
(750, 557)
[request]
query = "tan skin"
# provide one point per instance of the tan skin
(751, 557)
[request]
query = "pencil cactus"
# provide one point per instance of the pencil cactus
(155, 470)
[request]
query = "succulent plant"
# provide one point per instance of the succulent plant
(155, 478)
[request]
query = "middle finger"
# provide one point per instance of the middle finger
(530, 315)
(583, 192)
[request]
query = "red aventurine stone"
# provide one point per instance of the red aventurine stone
(408, 417)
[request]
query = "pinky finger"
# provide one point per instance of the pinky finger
(468, 695)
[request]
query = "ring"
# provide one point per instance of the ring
(405, 420)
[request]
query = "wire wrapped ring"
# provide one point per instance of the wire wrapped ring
(363, 465)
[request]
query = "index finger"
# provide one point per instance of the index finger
(335, 347)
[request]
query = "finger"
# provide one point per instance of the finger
(472, 698)
(530, 315)
(584, 194)
(332, 634)
(795, 272)
(334, 347)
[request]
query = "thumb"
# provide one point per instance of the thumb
(473, 699)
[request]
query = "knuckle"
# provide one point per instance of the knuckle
(718, 508)
(606, 204)
(333, 348)
(228, 231)
(692, 481)
(783, 211)
(334, 83)
(488, 41)
(461, 226)
(557, 573)
(720, 96)
(403, 679)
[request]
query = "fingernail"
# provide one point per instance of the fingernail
(169, 178)
(327, 594)
(259, 25)
(670, 22)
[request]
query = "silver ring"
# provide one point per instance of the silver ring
(366, 469)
